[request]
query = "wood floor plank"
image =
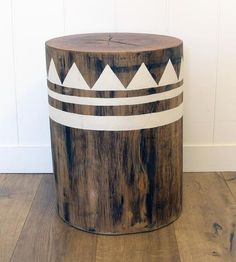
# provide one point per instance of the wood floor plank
(230, 179)
(205, 231)
(16, 195)
(46, 238)
(158, 245)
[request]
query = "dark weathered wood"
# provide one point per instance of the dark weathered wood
(103, 190)
(116, 182)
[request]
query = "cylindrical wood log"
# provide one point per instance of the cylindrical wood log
(115, 106)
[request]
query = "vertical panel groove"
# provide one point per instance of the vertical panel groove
(27, 216)
(14, 72)
(64, 16)
(167, 16)
(114, 16)
(217, 67)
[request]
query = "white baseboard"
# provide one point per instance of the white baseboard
(37, 159)
(25, 159)
(199, 158)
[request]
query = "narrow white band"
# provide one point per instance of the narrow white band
(116, 123)
(95, 101)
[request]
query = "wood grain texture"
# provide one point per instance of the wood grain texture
(230, 178)
(16, 195)
(96, 196)
(46, 238)
(114, 42)
(159, 245)
(205, 231)
(116, 182)
(91, 56)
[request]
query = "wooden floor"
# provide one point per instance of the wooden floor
(30, 229)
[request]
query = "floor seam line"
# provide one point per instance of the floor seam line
(36, 191)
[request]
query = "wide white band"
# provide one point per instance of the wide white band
(116, 123)
(94, 101)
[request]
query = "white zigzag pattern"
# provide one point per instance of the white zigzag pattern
(109, 81)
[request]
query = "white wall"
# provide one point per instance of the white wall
(208, 29)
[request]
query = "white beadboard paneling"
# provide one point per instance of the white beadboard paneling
(193, 129)
(148, 16)
(225, 111)
(196, 23)
(209, 112)
(33, 22)
(88, 16)
(225, 132)
(8, 114)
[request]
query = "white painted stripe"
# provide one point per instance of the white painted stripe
(136, 100)
(116, 123)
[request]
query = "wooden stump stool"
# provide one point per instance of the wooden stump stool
(115, 105)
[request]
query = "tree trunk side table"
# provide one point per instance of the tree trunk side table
(115, 105)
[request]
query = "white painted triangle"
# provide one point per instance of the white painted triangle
(169, 76)
(181, 73)
(108, 81)
(74, 79)
(52, 74)
(142, 79)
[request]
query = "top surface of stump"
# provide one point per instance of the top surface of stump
(113, 42)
